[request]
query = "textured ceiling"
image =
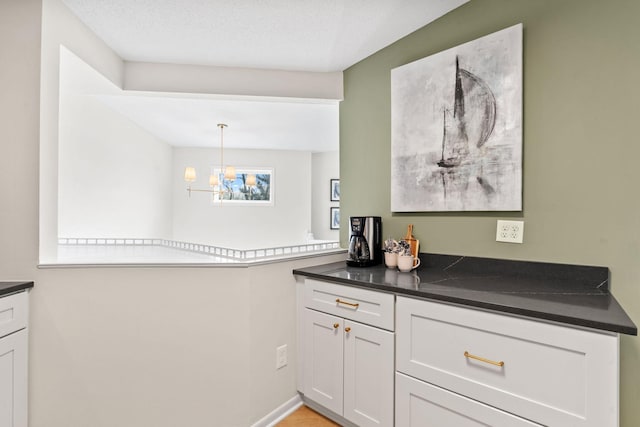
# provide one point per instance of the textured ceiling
(305, 35)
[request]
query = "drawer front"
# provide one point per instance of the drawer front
(14, 313)
(362, 305)
(420, 404)
(550, 374)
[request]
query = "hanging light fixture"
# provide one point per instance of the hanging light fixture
(216, 179)
(229, 171)
(251, 180)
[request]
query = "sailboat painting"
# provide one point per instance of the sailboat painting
(456, 119)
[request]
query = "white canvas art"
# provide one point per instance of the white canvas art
(456, 142)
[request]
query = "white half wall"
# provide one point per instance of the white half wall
(286, 222)
(162, 347)
(325, 167)
(114, 178)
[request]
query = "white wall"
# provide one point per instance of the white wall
(325, 166)
(19, 132)
(60, 26)
(114, 178)
(197, 219)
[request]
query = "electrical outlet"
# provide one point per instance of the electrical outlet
(510, 231)
(281, 356)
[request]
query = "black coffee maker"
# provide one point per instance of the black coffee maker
(365, 241)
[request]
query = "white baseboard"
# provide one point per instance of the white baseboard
(280, 413)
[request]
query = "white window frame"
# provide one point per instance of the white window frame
(246, 171)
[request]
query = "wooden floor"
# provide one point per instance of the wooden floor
(306, 417)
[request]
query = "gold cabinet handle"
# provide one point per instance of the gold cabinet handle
(339, 301)
(347, 329)
(336, 325)
(482, 359)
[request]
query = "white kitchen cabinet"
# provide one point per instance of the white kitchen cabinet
(368, 375)
(324, 359)
(348, 366)
(547, 373)
(13, 360)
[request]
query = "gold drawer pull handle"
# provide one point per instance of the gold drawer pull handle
(336, 325)
(339, 301)
(482, 359)
(347, 329)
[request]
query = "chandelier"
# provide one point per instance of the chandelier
(217, 178)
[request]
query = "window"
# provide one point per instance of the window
(251, 187)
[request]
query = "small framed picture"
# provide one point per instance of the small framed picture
(335, 190)
(334, 219)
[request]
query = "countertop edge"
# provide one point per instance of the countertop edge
(204, 264)
(7, 288)
(533, 314)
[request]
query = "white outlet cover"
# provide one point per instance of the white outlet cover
(510, 231)
(281, 356)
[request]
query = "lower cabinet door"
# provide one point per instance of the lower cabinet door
(323, 359)
(368, 375)
(13, 380)
(420, 404)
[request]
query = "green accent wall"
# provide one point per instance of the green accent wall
(581, 146)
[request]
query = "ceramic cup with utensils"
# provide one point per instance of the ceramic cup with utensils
(391, 259)
(407, 263)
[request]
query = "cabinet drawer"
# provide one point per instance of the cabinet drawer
(14, 313)
(420, 404)
(362, 305)
(552, 374)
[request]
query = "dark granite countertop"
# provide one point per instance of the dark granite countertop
(7, 288)
(570, 294)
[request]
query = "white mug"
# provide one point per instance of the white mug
(391, 259)
(407, 263)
